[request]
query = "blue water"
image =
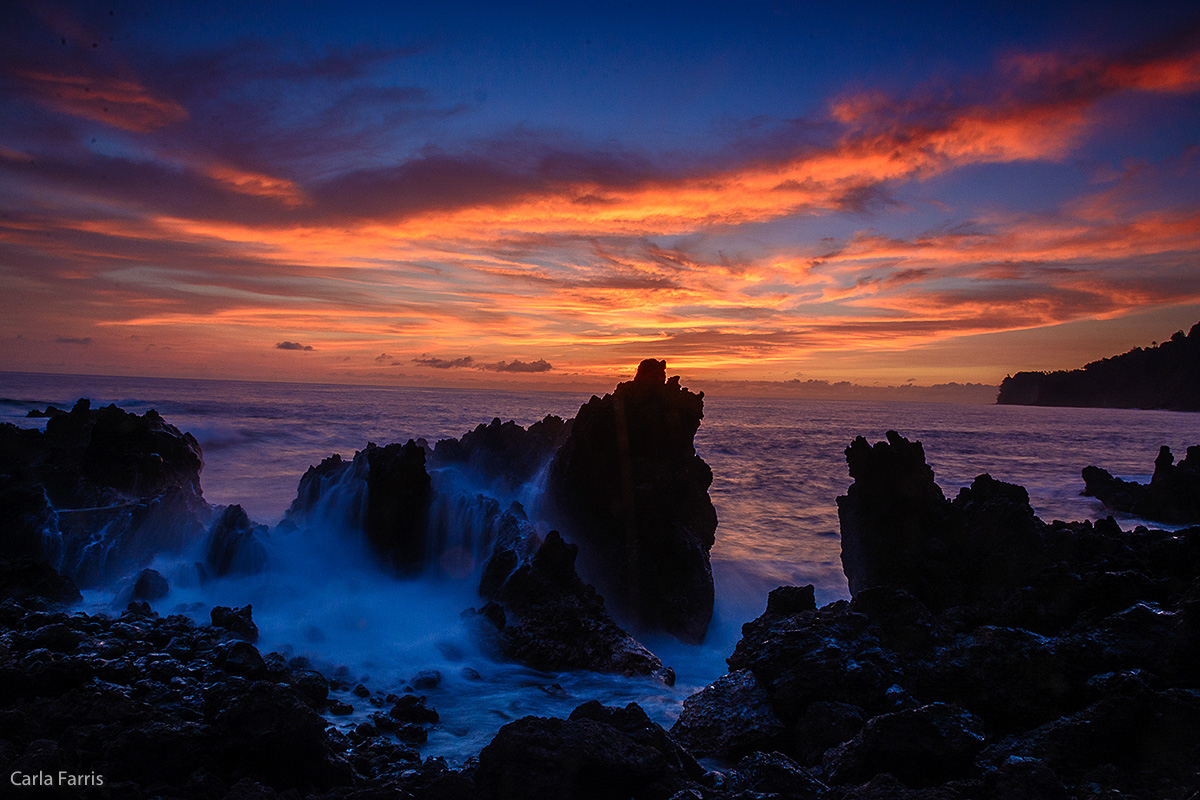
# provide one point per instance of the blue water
(778, 466)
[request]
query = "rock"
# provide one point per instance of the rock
(150, 585)
(774, 774)
(924, 746)
(505, 455)
(894, 520)
(26, 577)
(597, 753)
(546, 617)
(728, 719)
(337, 708)
(311, 685)
(244, 660)
(28, 525)
(384, 492)
(628, 486)
(1172, 496)
(823, 725)
(398, 493)
(236, 622)
(136, 478)
(234, 545)
(427, 679)
(264, 732)
(412, 709)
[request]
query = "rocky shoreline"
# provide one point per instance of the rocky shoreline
(984, 654)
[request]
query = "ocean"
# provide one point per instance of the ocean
(778, 467)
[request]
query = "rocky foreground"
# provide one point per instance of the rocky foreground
(984, 655)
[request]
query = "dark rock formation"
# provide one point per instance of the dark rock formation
(628, 486)
(22, 578)
(596, 754)
(1172, 496)
(235, 622)
(544, 616)
(985, 654)
(136, 478)
(398, 491)
(1163, 376)
(161, 707)
(504, 454)
(728, 719)
(921, 746)
(150, 585)
(383, 492)
(234, 544)
(774, 775)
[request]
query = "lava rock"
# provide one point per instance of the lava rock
(503, 454)
(150, 585)
(1172, 496)
(235, 622)
(596, 754)
(774, 774)
(27, 577)
(545, 616)
(924, 746)
(628, 486)
(728, 719)
(234, 545)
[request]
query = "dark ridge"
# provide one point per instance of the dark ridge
(1164, 376)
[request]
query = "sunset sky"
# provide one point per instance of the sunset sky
(543, 195)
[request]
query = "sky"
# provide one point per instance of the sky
(536, 195)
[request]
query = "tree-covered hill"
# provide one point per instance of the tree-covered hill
(1164, 376)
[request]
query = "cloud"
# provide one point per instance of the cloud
(292, 346)
(122, 103)
(468, 362)
(72, 340)
(383, 357)
(444, 363)
(541, 365)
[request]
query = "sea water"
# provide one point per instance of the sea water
(778, 467)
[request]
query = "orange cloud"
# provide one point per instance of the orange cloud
(257, 184)
(121, 103)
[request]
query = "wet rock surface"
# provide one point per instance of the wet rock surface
(135, 477)
(384, 492)
(503, 453)
(628, 486)
(162, 707)
(984, 653)
(543, 615)
(1172, 496)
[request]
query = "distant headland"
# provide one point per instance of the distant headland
(1163, 376)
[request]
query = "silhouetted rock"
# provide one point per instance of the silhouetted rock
(922, 747)
(729, 718)
(238, 622)
(596, 754)
(985, 654)
(234, 545)
(398, 492)
(150, 585)
(504, 454)
(545, 616)
(1173, 494)
(628, 486)
(27, 577)
(384, 492)
(159, 706)
(136, 478)
(1164, 376)
(774, 774)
